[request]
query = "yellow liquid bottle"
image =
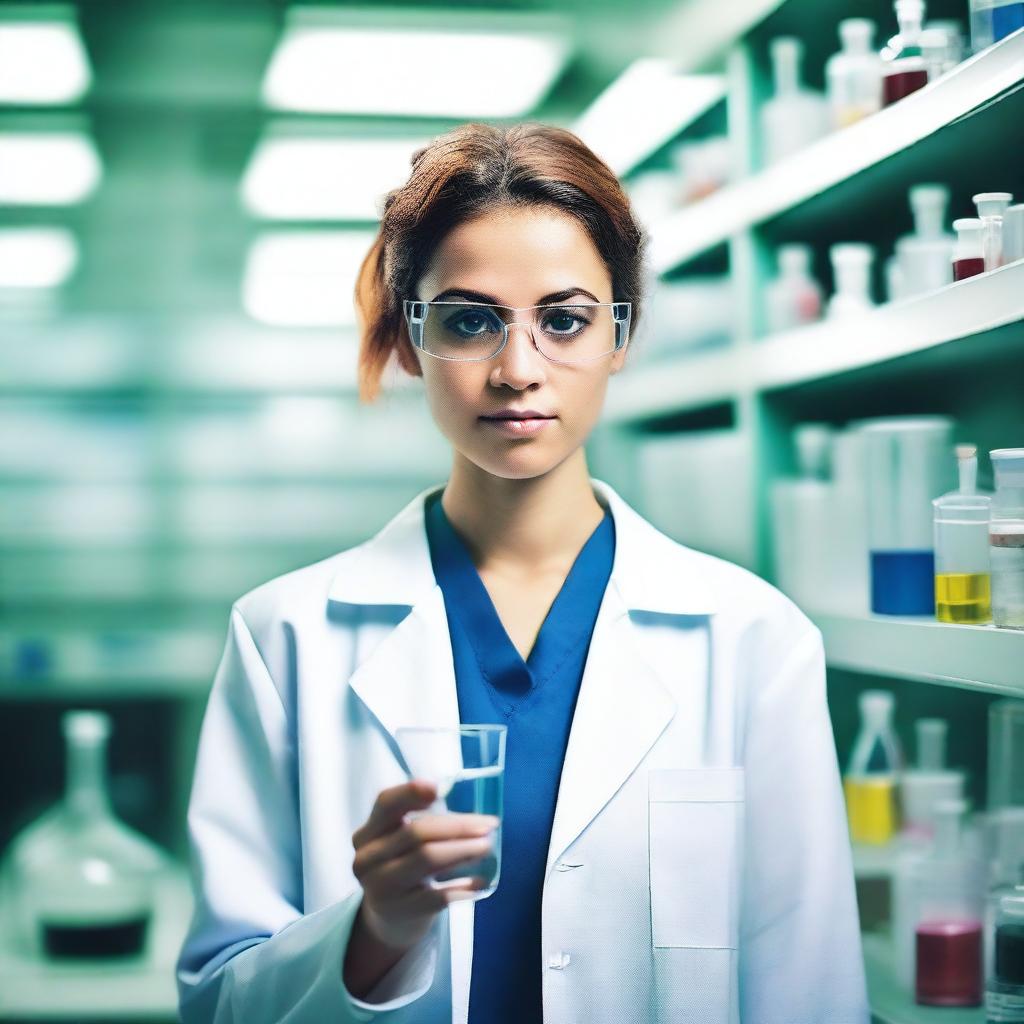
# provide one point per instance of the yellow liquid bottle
(964, 597)
(872, 807)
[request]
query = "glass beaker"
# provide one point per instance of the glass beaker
(83, 882)
(467, 764)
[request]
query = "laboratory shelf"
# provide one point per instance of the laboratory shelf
(949, 322)
(109, 990)
(891, 1004)
(838, 156)
(958, 312)
(981, 658)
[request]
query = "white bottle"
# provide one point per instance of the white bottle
(795, 116)
(926, 256)
(922, 787)
(853, 76)
(851, 267)
(793, 298)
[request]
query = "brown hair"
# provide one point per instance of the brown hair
(477, 168)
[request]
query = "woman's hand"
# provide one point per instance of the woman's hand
(393, 857)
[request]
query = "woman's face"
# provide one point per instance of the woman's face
(517, 258)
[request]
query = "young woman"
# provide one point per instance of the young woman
(674, 842)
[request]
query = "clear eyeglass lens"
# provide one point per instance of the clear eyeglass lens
(565, 333)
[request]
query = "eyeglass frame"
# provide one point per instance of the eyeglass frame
(415, 324)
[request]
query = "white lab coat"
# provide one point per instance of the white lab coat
(699, 868)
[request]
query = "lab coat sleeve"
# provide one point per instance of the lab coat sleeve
(251, 956)
(800, 945)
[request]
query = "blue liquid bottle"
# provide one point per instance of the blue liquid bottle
(907, 466)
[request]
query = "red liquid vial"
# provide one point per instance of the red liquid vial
(902, 83)
(971, 267)
(949, 963)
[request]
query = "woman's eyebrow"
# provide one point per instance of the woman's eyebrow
(474, 296)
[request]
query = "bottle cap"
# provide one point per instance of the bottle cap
(794, 258)
(909, 9)
(1008, 464)
(992, 204)
(876, 705)
(86, 726)
(857, 33)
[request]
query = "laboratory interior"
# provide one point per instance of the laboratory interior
(826, 388)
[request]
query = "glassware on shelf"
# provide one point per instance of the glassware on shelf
(793, 298)
(992, 207)
(794, 116)
(963, 567)
(907, 467)
(942, 44)
(1006, 538)
(1004, 987)
(1013, 234)
(992, 20)
(851, 269)
(853, 76)
(904, 68)
(872, 774)
(926, 255)
(969, 252)
(81, 881)
(1005, 754)
(923, 787)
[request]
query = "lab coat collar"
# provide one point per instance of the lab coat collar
(651, 571)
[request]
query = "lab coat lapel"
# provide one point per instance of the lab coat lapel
(621, 710)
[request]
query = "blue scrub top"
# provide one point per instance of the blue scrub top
(535, 699)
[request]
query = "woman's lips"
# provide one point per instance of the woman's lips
(520, 428)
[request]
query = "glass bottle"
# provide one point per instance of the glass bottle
(963, 571)
(992, 207)
(1006, 538)
(81, 880)
(851, 270)
(873, 772)
(1004, 989)
(794, 116)
(969, 254)
(905, 68)
(854, 75)
(793, 298)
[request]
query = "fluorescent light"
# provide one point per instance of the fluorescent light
(42, 59)
(48, 168)
(492, 67)
(325, 178)
(304, 278)
(36, 257)
(646, 106)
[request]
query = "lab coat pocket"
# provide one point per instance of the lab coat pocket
(695, 834)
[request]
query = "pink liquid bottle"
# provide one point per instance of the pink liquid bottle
(906, 70)
(969, 253)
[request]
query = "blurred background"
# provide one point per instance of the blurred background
(186, 192)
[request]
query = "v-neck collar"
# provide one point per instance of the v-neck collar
(570, 616)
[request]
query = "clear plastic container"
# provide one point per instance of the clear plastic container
(793, 298)
(942, 44)
(1004, 988)
(926, 255)
(1013, 234)
(1006, 754)
(992, 20)
(992, 207)
(923, 787)
(904, 68)
(82, 881)
(969, 252)
(853, 76)
(851, 269)
(795, 116)
(873, 771)
(907, 467)
(963, 572)
(1006, 538)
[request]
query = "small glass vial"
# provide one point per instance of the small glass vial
(905, 70)
(991, 208)
(851, 268)
(1004, 989)
(793, 298)
(1013, 234)
(963, 573)
(969, 253)
(1006, 538)
(853, 76)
